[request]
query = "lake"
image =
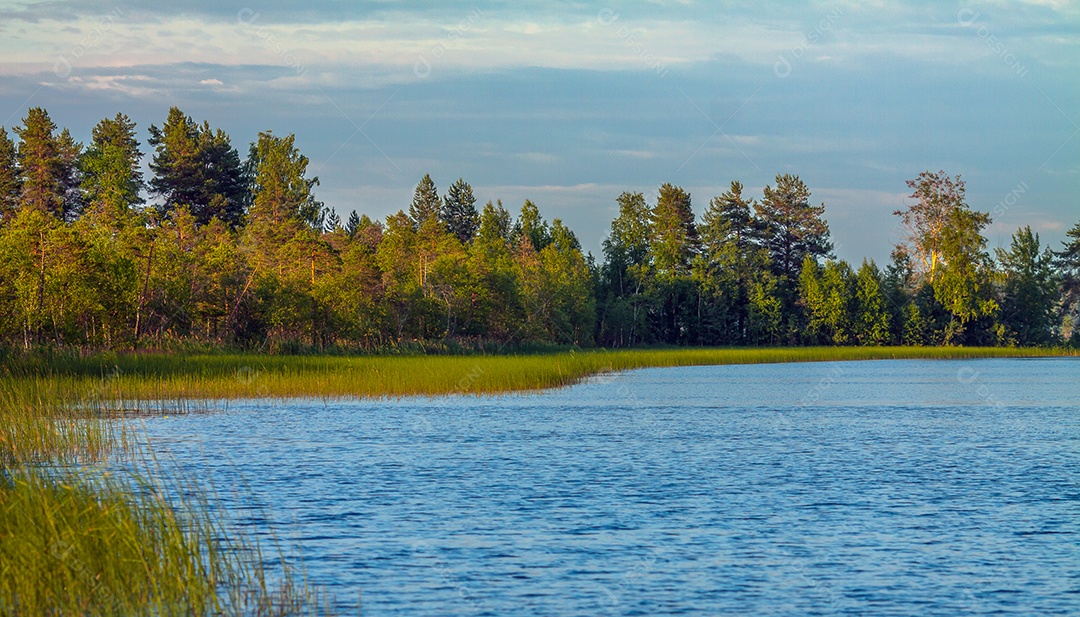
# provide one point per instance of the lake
(886, 487)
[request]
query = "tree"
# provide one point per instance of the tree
(674, 235)
(495, 225)
(459, 211)
(283, 201)
(1068, 263)
(198, 167)
(496, 302)
(332, 221)
(943, 238)
(828, 295)
(926, 221)
(9, 177)
(791, 227)
(626, 273)
(569, 305)
(871, 316)
(730, 259)
(425, 203)
(41, 168)
(730, 220)
(961, 281)
(401, 283)
(227, 194)
(1030, 291)
(353, 224)
(111, 178)
(530, 228)
(70, 152)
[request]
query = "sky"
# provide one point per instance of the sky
(571, 103)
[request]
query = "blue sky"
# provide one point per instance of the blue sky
(570, 103)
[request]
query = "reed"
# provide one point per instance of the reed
(136, 381)
(79, 539)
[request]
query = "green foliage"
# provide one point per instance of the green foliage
(791, 227)
(197, 167)
(426, 203)
(674, 236)
(40, 164)
(871, 316)
(1068, 263)
(530, 228)
(1030, 289)
(828, 294)
(9, 177)
(246, 256)
(458, 211)
(111, 177)
(962, 280)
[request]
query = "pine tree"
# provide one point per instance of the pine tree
(425, 203)
(674, 235)
(459, 211)
(282, 191)
(9, 177)
(41, 168)
(792, 228)
(1068, 263)
(112, 180)
(198, 167)
(730, 259)
(494, 224)
(332, 221)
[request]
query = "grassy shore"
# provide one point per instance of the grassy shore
(79, 539)
(136, 379)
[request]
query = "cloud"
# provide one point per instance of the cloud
(570, 105)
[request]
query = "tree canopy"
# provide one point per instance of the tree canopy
(215, 249)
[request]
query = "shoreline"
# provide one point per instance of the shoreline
(190, 379)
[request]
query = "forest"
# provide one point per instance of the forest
(221, 250)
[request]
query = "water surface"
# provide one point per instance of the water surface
(887, 488)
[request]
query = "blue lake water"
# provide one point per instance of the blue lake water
(884, 488)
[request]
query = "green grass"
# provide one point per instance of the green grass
(75, 540)
(135, 379)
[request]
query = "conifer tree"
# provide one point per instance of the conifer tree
(197, 167)
(674, 235)
(792, 228)
(9, 177)
(425, 203)
(459, 211)
(111, 178)
(41, 168)
(353, 224)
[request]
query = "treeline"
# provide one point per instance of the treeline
(236, 251)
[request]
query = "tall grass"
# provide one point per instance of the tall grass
(78, 540)
(133, 380)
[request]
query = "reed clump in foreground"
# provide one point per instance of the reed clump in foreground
(136, 379)
(77, 539)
